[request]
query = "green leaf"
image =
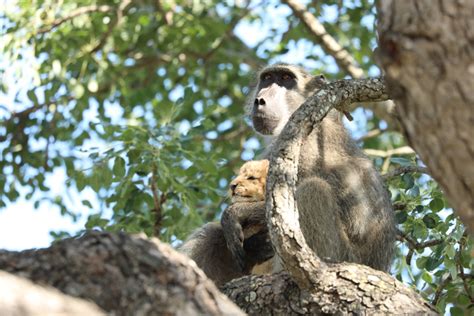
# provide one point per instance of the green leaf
(95, 180)
(96, 221)
(429, 221)
(32, 96)
(401, 161)
(80, 180)
(433, 263)
(401, 217)
(456, 311)
(425, 276)
(119, 167)
(436, 204)
(419, 230)
(86, 203)
(408, 180)
(419, 209)
(414, 191)
(421, 262)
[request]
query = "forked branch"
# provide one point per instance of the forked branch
(320, 279)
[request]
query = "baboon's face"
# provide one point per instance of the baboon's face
(280, 91)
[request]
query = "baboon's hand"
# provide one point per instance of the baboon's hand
(234, 236)
(259, 247)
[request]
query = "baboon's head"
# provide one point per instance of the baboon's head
(280, 90)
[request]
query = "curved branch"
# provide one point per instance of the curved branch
(307, 270)
(305, 266)
(74, 14)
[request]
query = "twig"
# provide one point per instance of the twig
(327, 42)
(74, 14)
(370, 134)
(404, 150)
(120, 10)
(440, 289)
(418, 245)
(415, 245)
(158, 201)
(462, 244)
(402, 170)
(383, 110)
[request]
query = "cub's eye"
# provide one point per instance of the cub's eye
(267, 77)
(286, 77)
(251, 178)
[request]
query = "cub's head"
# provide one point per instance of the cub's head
(249, 185)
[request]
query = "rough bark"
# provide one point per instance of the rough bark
(345, 289)
(284, 226)
(427, 51)
(325, 288)
(124, 275)
(20, 297)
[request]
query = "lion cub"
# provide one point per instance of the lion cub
(249, 185)
(242, 227)
(239, 222)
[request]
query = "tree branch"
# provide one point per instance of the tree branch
(414, 244)
(307, 270)
(282, 176)
(383, 110)
(118, 19)
(404, 150)
(462, 275)
(19, 296)
(124, 275)
(74, 14)
(342, 57)
(407, 169)
(158, 201)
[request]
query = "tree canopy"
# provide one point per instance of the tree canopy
(143, 103)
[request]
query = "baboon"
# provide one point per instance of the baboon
(344, 209)
(207, 245)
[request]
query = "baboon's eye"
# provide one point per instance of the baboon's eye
(251, 178)
(267, 77)
(286, 77)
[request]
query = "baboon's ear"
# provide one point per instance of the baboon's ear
(316, 83)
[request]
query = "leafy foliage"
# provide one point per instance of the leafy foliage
(142, 103)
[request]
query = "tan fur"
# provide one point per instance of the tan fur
(207, 245)
(250, 182)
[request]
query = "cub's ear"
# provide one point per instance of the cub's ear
(316, 83)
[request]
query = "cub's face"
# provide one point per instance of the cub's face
(249, 185)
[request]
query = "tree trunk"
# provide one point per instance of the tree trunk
(427, 51)
(124, 275)
(345, 289)
(21, 297)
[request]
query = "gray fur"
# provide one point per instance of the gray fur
(207, 246)
(345, 209)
